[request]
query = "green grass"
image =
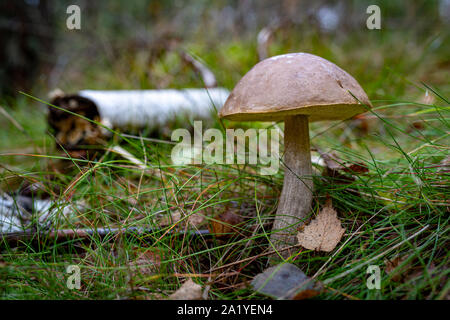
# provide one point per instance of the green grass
(405, 190)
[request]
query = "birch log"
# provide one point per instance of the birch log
(128, 110)
(154, 108)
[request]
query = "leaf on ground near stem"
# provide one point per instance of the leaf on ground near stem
(225, 224)
(323, 233)
(286, 281)
(188, 291)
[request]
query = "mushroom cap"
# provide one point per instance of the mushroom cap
(295, 84)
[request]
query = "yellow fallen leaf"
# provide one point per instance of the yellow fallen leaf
(323, 233)
(188, 291)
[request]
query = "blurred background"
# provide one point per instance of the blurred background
(133, 44)
(393, 161)
(136, 45)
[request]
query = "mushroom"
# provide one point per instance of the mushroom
(295, 88)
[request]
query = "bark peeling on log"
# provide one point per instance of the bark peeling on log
(72, 131)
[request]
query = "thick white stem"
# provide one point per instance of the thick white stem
(296, 196)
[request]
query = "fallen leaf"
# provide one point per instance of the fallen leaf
(286, 281)
(323, 233)
(393, 270)
(188, 291)
(357, 167)
(205, 292)
(225, 224)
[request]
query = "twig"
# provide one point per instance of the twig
(124, 153)
(84, 233)
(208, 77)
(265, 37)
(10, 118)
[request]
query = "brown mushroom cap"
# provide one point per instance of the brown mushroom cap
(295, 84)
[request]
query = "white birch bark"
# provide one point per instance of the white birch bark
(155, 108)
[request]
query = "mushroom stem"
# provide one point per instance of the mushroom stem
(296, 196)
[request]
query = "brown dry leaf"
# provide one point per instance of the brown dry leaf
(224, 224)
(357, 167)
(188, 291)
(391, 266)
(323, 233)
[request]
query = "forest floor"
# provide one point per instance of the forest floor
(403, 190)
